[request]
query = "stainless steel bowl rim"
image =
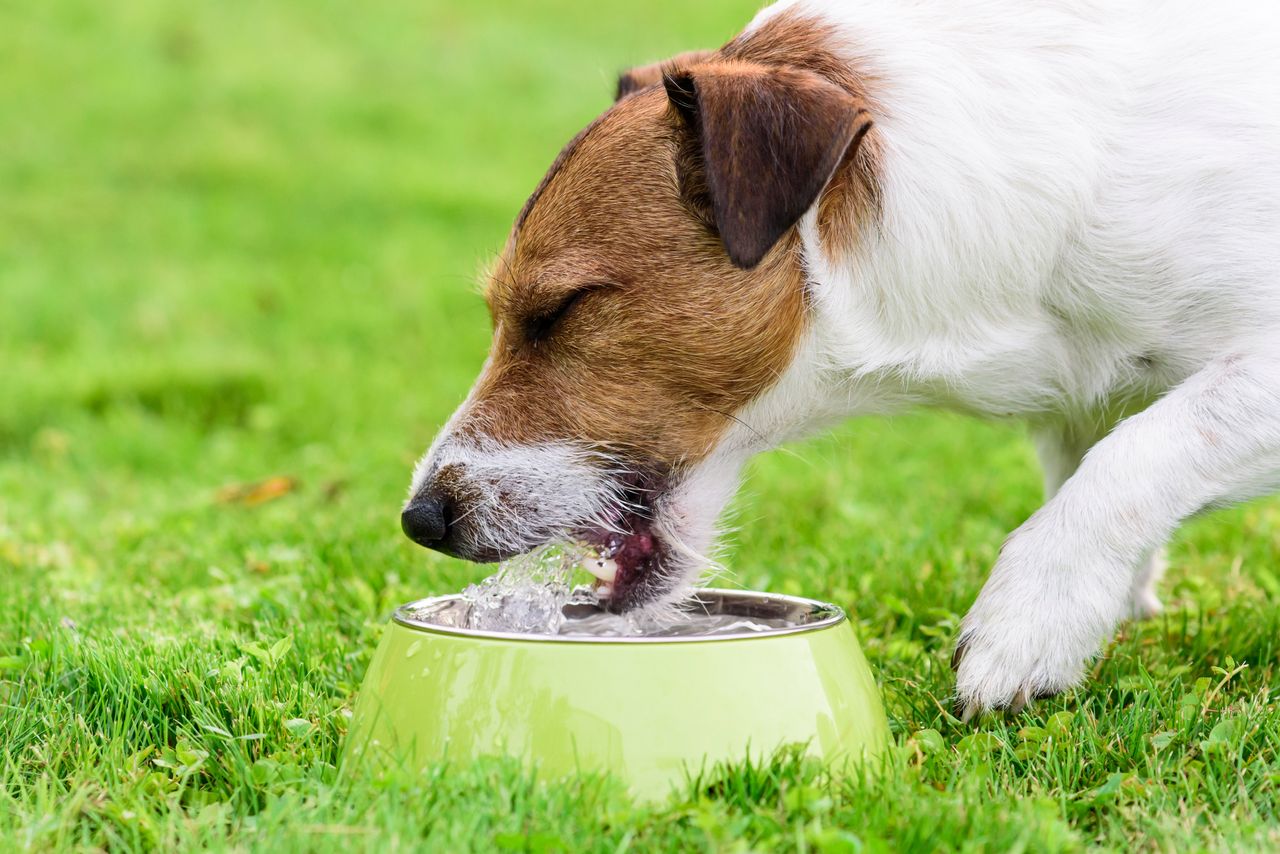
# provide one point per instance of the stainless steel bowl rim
(826, 616)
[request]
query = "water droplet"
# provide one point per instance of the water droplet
(413, 649)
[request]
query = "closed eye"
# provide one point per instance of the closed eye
(541, 326)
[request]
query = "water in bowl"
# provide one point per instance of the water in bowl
(534, 594)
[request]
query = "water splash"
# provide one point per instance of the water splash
(533, 594)
(528, 593)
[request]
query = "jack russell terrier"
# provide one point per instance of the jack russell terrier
(1062, 211)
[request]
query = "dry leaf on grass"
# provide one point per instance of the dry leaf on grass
(251, 494)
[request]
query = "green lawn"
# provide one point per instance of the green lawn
(238, 241)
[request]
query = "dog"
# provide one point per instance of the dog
(1059, 211)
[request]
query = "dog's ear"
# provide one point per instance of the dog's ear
(644, 76)
(765, 140)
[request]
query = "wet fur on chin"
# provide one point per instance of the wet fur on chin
(518, 497)
(515, 497)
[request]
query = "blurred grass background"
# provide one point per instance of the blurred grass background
(238, 248)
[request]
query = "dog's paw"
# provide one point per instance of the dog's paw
(1000, 670)
(1040, 618)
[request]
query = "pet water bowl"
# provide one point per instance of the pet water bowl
(650, 710)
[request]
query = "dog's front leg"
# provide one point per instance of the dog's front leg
(1066, 577)
(1061, 448)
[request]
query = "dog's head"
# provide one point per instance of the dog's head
(651, 288)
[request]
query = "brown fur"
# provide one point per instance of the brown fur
(851, 202)
(644, 76)
(770, 138)
(653, 363)
(670, 338)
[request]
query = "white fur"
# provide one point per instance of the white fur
(518, 496)
(1081, 215)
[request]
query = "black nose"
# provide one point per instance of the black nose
(425, 519)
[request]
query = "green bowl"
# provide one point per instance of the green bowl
(650, 710)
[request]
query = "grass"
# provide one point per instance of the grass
(237, 242)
